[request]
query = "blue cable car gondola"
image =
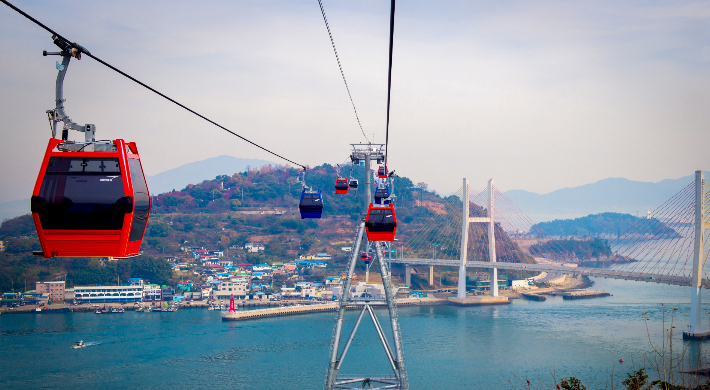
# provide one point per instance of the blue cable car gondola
(311, 204)
(382, 195)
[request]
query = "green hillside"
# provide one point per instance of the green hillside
(609, 224)
(225, 213)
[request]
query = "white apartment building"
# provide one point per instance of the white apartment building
(107, 294)
(225, 290)
(152, 292)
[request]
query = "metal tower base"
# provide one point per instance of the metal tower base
(394, 355)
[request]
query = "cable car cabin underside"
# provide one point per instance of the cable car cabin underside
(381, 223)
(90, 199)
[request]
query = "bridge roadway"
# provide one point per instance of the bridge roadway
(603, 273)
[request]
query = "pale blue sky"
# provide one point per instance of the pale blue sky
(538, 95)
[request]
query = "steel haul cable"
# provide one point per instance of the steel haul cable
(83, 50)
(389, 82)
(337, 58)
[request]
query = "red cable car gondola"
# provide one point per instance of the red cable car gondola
(341, 185)
(366, 258)
(90, 203)
(381, 222)
(382, 172)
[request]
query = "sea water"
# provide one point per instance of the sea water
(445, 347)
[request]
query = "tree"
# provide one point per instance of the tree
(158, 229)
(224, 242)
(157, 270)
(637, 380)
(572, 383)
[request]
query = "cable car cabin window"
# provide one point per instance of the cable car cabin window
(311, 202)
(81, 194)
(141, 200)
(381, 220)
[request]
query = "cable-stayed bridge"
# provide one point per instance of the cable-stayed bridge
(486, 230)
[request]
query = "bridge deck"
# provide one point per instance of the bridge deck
(604, 273)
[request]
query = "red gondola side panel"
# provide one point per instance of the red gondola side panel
(341, 186)
(381, 223)
(85, 203)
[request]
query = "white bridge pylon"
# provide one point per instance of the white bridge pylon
(465, 221)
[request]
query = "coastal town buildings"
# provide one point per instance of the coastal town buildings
(55, 290)
(253, 248)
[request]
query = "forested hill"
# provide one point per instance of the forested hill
(271, 187)
(604, 224)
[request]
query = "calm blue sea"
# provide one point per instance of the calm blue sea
(445, 347)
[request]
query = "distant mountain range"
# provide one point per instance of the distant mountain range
(198, 171)
(13, 209)
(609, 195)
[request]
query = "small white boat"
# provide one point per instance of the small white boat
(38, 309)
(79, 344)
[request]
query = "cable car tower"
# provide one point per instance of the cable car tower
(395, 354)
(365, 153)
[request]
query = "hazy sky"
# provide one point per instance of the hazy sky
(538, 95)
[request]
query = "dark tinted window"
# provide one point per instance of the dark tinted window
(80, 194)
(381, 220)
(382, 193)
(311, 200)
(141, 200)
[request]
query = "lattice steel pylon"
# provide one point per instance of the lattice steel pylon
(337, 355)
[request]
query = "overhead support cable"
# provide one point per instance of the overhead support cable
(337, 58)
(79, 49)
(389, 82)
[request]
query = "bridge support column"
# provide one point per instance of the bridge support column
(431, 275)
(698, 256)
(464, 242)
(408, 275)
(492, 240)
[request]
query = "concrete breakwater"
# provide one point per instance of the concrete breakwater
(583, 294)
(242, 315)
(534, 297)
